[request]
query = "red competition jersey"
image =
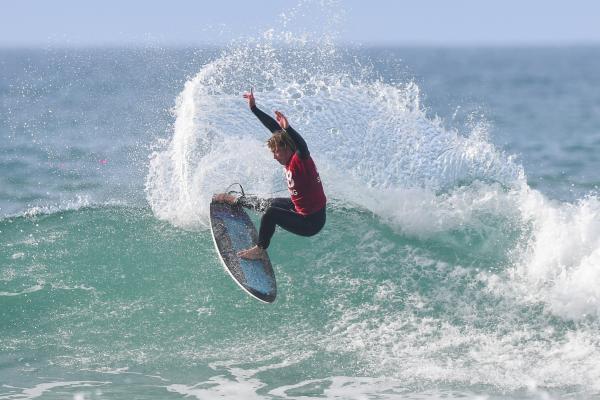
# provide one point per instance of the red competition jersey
(304, 185)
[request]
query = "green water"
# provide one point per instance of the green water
(131, 305)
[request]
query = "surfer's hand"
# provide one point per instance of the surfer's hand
(281, 120)
(224, 198)
(250, 97)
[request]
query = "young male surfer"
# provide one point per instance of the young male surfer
(304, 212)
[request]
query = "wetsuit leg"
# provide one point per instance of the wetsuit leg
(280, 211)
(289, 220)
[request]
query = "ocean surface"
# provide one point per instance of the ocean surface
(461, 257)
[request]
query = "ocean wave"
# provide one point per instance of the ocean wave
(76, 204)
(377, 150)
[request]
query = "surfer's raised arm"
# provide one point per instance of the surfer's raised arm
(277, 125)
(301, 146)
(266, 120)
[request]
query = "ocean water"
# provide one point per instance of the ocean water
(461, 257)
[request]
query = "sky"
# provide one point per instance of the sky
(376, 22)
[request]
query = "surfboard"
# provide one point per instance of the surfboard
(233, 231)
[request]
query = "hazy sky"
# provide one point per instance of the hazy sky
(414, 22)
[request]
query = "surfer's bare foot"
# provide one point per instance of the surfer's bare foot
(253, 253)
(224, 198)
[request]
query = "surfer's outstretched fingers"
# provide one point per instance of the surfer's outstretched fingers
(250, 98)
(281, 120)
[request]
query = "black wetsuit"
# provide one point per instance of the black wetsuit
(282, 211)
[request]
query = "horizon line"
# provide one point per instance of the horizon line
(343, 44)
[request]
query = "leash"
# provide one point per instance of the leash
(242, 193)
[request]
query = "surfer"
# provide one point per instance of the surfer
(303, 213)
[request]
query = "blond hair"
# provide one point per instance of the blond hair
(281, 140)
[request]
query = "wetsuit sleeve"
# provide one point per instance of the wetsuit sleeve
(266, 120)
(301, 147)
(273, 126)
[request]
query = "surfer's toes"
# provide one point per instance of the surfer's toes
(254, 253)
(224, 198)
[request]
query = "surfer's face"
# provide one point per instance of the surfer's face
(282, 155)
